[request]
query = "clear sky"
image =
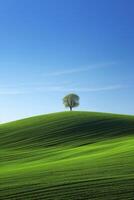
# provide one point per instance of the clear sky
(49, 48)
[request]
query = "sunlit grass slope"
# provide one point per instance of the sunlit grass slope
(70, 155)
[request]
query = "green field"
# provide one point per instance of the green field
(69, 155)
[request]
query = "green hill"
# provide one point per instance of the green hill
(69, 155)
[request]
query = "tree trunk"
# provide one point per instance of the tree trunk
(70, 108)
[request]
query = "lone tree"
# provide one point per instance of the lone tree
(71, 101)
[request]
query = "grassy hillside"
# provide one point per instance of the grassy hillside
(70, 155)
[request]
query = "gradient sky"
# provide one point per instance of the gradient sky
(49, 48)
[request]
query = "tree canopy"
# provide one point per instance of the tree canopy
(71, 101)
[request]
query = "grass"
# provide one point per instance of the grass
(69, 155)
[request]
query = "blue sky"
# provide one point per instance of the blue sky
(53, 47)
